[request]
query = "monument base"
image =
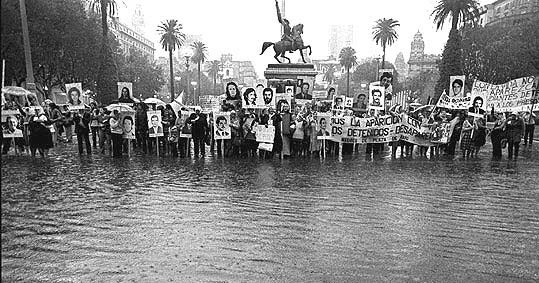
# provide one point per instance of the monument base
(281, 75)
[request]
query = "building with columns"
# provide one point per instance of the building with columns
(419, 61)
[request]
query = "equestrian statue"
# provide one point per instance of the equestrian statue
(290, 41)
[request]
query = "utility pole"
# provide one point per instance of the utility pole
(30, 84)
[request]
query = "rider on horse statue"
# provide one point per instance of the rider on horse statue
(287, 31)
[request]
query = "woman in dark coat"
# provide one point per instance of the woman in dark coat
(40, 137)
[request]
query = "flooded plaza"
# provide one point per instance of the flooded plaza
(150, 219)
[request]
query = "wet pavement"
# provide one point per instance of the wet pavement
(73, 218)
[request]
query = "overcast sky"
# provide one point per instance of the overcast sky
(241, 26)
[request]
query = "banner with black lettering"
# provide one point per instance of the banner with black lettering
(515, 95)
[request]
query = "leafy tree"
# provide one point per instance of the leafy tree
(460, 11)
(199, 57)
(347, 58)
(146, 76)
(213, 72)
(171, 38)
(497, 54)
(108, 69)
(329, 75)
(384, 33)
(65, 43)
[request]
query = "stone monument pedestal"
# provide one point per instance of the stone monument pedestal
(281, 75)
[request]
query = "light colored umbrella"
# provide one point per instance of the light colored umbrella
(424, 108)
(120, 107)
(153, 100)
(16, 91)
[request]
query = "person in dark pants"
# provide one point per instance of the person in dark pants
(141, 127)
(497, 135)
(529, 119)
(514, 127)
(82, 129)
(116, 131)
(455, 135)
(200, 127)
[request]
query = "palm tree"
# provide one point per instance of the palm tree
(214, 69)
(108, 71)
(171, 38)
(199, 57)
(329, 75)
(348, 59)
(460, 11)
(384, 33)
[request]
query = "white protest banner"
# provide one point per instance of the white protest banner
(210, 103)
(265, 146)
(515, 95)
(456, 86)
(128, 124)
(410, 130)
(376, 97)
(454, 102)
(349, 129)
(74, 94)
(221, 130)
(265, 133)
(155, 127)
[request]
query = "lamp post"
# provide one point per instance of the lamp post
(194, 84)
(30, 84)
(377, 68)
(187, 52)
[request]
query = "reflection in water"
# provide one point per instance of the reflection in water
(72, 218)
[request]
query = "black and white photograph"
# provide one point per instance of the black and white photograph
(269, 141)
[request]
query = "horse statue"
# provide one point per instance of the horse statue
(282, 46)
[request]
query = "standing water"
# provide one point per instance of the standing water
(148, 219)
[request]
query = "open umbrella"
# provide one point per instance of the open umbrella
(16, 91)
(153, 100)
(119, 107)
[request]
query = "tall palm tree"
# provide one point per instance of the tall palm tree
(460, 11)
(329, 75)
(213, 71)
(384, 33)
(171, 38)
(199, 57)
(108, 71)
(348, 59)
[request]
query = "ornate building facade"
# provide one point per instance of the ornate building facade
(419, 61)
(509, 12)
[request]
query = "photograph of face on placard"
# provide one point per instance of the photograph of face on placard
(283, 102)
(155, 127)
(338, 102)
(323, 128)
(12, 129)
(125, 92)
(74, 93)
(250, 99)
(221, 130)
(456, 86)
(128, 124)
(268, 97)
(376, 97)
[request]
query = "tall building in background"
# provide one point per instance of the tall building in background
(137, 19)
(401, 66)
(510, 12)
(129, 38)
(241, 72)
(419, 61)
(340, 36)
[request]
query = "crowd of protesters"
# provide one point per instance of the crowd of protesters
(296, 132)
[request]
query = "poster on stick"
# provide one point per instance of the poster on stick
(155, 127)
(456, 86)
(221, 131)
(376, 97)
(74, 96)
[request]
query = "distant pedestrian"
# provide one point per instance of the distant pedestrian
(514, 127)
(82, 129)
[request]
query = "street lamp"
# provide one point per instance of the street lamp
(187, 52)
(377, 68)
(194, 84)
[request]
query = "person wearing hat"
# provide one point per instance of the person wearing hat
(514, 127)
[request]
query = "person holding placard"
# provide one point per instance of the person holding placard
(116, 131)
(514, 127)
(73, 96)
(82, 129)
(125, 96)
(40, 137)
(456, 87)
